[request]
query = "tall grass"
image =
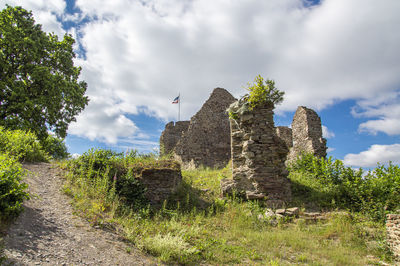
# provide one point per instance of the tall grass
(196, 226)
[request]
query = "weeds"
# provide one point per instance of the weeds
(196, 226)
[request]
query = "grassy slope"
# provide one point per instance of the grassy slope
(196, 226)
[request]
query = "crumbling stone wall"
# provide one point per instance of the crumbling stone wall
(258, 157)
(171, 135)
(160, 183)
(285, 134)
(393, 233)
(307, 134)
(207, 139)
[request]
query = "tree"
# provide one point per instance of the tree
(39, 87)
(262, 91)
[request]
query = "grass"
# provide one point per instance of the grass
(196, 226)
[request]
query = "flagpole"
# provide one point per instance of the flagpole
(179, 108)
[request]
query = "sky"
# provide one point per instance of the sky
(338, 57)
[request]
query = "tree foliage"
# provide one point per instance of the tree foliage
(260, 92)
(39, 87)
(263, 91)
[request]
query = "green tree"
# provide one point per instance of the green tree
(263, 91)
(39, 87)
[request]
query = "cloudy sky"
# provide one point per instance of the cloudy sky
(339, 57)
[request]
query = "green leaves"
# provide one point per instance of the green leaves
(261, 92)
(12, 190)
(329, 183)
(39, 87)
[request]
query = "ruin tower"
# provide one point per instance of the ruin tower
(258, 156)
(307, 134)
(207, 140)
(171, 135)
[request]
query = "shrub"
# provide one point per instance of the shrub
(120, 170)
(55, 147)
(22, 145)
(262, 91)
(329, 183)
(12, 190)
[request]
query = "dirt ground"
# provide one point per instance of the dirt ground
(47, 232)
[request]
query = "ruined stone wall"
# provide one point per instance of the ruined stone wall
(171, 135)
(160, 183)
(285, 134)
(393, 233)
(307, 134)
(207, 139)
(258, 157)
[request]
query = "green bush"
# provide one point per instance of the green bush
(55, 147)
(330, 184)
(12, 190)
(261, 92)
(22, 145)
(120, 170)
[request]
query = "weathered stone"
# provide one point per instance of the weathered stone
(160, 183)
(207, 140)
(228, 187)
(171, 135)
(293, 211)
(258, 155)
(393, 233)
(285, 134)
(307, 134)
(280, 211)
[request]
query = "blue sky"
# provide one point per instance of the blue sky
(338, 57)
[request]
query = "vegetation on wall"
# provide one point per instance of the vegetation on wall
(261, 92)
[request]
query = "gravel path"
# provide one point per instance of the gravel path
(47, 233)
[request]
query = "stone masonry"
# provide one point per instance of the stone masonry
(285, 134)
(171, 135)
(160, 183)
(207, 140)
(258, 157)
(307, 134)
(393, 233)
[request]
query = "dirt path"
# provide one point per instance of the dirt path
(47, 233)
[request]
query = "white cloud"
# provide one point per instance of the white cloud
(102, 121)
(376, 153)
(141, 54)
(386, 108)
(330, 149)
(326, 133)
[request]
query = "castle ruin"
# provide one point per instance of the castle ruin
(307, 134)
(205, 139)
(258, 156)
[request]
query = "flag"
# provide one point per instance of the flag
(176, 100)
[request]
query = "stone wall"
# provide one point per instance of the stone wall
(160, 183)
(285, 134)
(207, 139)
(307, 134)
(393, 233)
(258, 157)
(171, 135)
